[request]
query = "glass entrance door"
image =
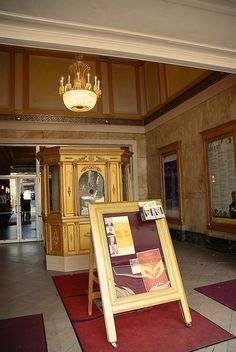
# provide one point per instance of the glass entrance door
(8, 210)
(19, 219)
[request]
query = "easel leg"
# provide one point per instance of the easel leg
(186, 313)
(110, 324)
(90, 288)
(108, 314)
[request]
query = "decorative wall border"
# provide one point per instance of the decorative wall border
(70, 119)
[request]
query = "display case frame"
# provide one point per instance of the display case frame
(171, 158)
(112, 304)
(220, 175)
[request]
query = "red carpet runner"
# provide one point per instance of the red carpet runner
(160, 328)
(222, 292)
(23, 334)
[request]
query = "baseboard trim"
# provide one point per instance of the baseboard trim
(203, 240)
(67, 263)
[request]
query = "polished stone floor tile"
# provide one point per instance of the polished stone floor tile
(27, 288)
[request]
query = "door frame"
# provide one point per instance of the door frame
(38, 218)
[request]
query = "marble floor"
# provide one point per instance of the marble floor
(27, 288)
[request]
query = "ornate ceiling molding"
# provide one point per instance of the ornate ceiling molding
(32, 31)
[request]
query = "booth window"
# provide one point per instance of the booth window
(53, 184)
(91, 190)
(171, 185)
(220, 165)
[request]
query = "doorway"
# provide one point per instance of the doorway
(20, 196)
(19, 217)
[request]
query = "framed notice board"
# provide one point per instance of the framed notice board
(135, 259)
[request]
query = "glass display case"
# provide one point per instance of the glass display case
(53, 185)
(220, 171)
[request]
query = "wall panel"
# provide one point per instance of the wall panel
(124, 89)
(5, 82)
(179, 78)
(152, 85)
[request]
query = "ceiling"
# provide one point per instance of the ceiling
(181, 32)
(196, 33)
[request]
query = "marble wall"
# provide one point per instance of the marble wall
(186, 128)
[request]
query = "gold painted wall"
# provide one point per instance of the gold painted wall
(152, 87)
(187, 128)
(130, 88)
(180, 77)
(44, 79)
(4, 74)
(124, 88)
(164, 82)
(31, 79)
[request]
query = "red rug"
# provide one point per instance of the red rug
(222, 292)
(160, 328)
(23, 334)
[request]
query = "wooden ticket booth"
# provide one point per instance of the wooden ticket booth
(72, 178)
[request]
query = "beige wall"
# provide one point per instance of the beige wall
(187, 128)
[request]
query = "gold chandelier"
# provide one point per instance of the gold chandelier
(82, 95)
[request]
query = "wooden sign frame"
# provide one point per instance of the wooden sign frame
(106, 261)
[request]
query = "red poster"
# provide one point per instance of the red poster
(153, 270)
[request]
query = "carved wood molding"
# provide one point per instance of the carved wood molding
(91, 167)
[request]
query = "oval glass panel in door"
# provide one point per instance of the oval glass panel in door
(91, 190)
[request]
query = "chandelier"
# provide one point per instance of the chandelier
(82, 95)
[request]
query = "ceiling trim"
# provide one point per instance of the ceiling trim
(22, 30)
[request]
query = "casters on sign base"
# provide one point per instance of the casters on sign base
(189, 325)
(115, 345)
